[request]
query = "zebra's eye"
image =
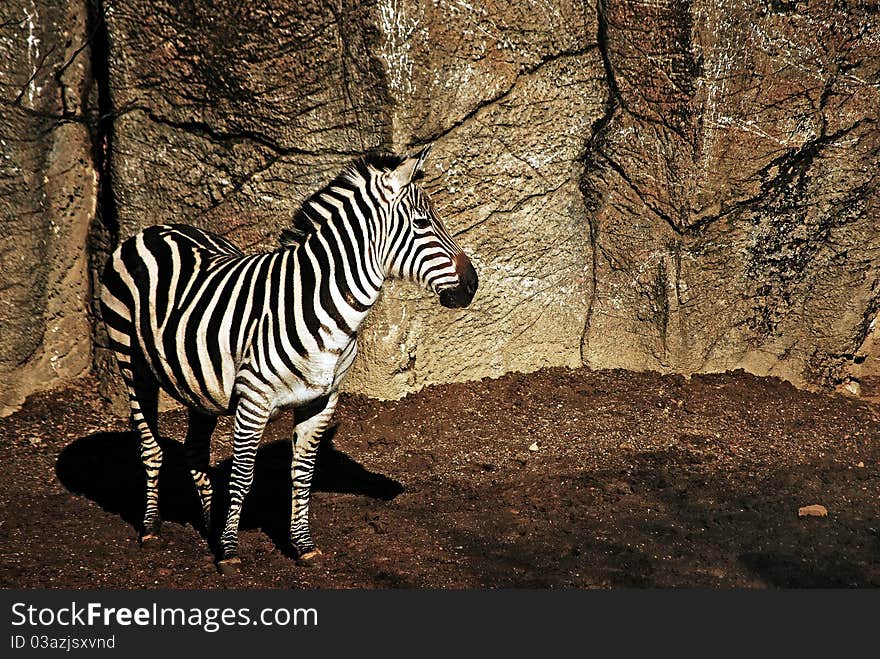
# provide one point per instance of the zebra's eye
(421, 221)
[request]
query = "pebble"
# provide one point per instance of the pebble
(852, 387)
(534, 446)
(813, 510)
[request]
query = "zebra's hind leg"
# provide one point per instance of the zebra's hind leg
(302, 468)
(143, 391)
(197, 448)
(143, 395)
(250, 421)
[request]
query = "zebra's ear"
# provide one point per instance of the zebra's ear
(404, 174)
(420, 157)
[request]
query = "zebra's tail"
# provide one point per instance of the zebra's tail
(117, 311)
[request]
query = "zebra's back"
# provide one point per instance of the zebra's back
(183, 299)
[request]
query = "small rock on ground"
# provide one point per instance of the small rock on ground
(813, 510)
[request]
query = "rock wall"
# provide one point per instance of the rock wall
(679, 186)
(48, 190)
(230, 128)
(733, 189)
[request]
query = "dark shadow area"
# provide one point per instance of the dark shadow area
(267, 507)
(784, 570)
(106, 468)
(661, 521)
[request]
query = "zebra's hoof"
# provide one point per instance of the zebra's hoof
(229, 567)
(311, 558)
(151, 540)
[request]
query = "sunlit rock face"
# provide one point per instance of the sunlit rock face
(230, 128)
(678, 186)
(48, 188)
(731, 192)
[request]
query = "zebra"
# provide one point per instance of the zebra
(226, 333)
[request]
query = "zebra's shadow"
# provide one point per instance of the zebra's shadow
(106, 468)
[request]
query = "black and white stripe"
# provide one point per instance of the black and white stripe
(226, 333)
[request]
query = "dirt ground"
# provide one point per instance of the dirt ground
(638, 480)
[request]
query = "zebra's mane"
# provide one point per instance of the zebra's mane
(307, 221)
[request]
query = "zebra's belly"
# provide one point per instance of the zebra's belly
(293, 396)
(214, 389)
(212, 400)
(190, 382)
(316, 380)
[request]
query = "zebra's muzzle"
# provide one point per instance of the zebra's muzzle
(456, 297)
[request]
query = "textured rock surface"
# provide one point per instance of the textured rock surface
(679, 186)
(733, 189)
(47, 197)
(508, 97)
(230, 129)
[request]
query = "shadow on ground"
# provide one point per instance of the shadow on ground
(661, 522)
(106, 468)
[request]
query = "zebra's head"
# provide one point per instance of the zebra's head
(418, 246)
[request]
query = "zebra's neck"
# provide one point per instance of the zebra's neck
(334, 276)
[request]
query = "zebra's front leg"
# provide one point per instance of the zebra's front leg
(250, 421)
(306, 440)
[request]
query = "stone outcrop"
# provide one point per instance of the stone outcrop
(679, 186)
(48, 188)
(733, 189)
(230, 129)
